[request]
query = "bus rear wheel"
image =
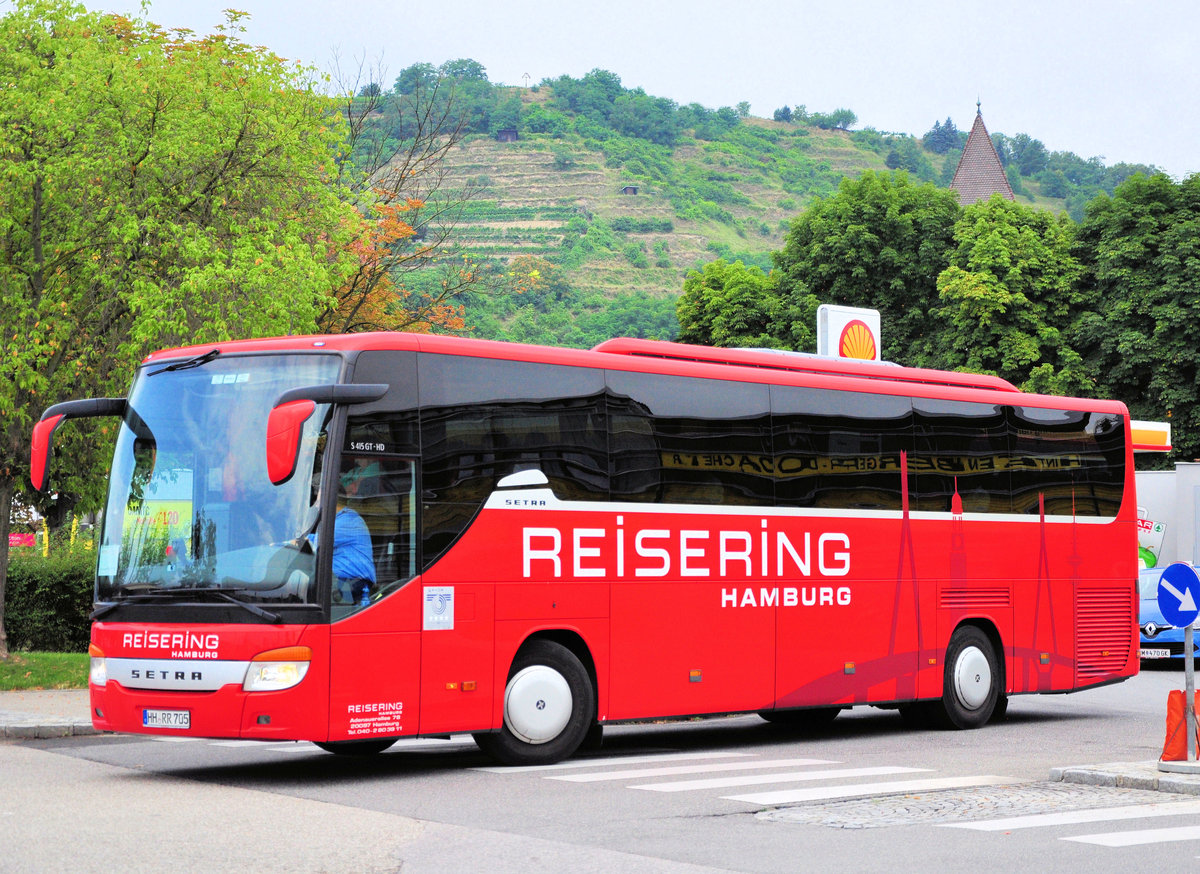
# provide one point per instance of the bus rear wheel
(549, 707)
(971, 682)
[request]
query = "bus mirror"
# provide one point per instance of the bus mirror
(292, 410)
(43, 431)
(283, 438)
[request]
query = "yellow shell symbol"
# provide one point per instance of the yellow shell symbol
(857, 341)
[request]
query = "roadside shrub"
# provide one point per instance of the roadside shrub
(47, 600)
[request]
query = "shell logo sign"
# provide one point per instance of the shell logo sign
(848, 332)
(857, 342)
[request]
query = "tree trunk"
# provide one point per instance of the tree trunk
(6, 496)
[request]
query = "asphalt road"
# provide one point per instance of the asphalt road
(733, 794)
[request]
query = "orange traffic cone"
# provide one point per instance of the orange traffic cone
(1175, 746)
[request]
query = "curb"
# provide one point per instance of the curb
(44, 730)
(1134, 775)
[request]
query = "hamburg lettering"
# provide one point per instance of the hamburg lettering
(807, 596)
(555, 553)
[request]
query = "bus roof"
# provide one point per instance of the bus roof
(779, 359)
(755, 365)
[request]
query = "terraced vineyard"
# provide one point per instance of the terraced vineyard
(542, 197)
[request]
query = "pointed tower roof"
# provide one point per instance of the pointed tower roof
(979, 174)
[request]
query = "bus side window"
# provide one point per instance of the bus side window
(382, 492)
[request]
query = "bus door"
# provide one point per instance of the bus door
(375, 601)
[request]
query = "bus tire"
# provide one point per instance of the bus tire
(549, 707)
(356, 747)
(971, 682)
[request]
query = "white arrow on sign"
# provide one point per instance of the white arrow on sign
(1186, 602)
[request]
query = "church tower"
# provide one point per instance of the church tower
(979, 174)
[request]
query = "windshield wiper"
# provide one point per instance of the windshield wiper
(189, 364)
(273, 618)
(105, 609)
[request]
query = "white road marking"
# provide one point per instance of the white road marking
(711, 768)
(785, 777)
(792, 796)
(1139, 838)
(1074, 817)
(616, 760)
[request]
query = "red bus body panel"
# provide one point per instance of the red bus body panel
(858, 612)
(228, 712)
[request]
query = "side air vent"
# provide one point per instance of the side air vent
(962, 598)
(1104, 632)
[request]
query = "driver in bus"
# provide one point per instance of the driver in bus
(353, 561)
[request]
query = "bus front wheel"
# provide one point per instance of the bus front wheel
(549, 706)
(971, 683)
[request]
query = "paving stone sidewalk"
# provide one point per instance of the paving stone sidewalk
(40, 713)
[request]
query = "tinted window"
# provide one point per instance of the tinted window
(482, 419)
(694, 441)
(1075, 459)
(961, 447)
(839, 450)
(389, 424)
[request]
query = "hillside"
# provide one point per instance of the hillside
(612, 196)
(532, 195)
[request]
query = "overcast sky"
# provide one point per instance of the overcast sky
(1118, 79)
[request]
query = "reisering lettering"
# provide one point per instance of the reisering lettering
(555, 553)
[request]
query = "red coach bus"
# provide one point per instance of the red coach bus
(555, 539)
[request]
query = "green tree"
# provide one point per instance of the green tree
(156, 190)
(1028, 154)
(729, 305)
(879, 242)
(464, 69)
(906, 154)
(411, 274)
(839, 119)
(1140, 329)
(941, 138)
(416, 77)
(1010, 286)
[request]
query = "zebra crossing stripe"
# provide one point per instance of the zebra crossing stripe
(785, 777)
(900, 787)
(609, 762)
(710, 768)
(1075, 817)
(1138, 838)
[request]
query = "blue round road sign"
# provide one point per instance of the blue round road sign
(1179, 594)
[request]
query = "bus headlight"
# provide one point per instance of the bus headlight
(277, 669)
(98, 672)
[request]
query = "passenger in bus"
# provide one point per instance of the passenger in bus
(362, 480)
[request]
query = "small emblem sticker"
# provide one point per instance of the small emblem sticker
(439, 608)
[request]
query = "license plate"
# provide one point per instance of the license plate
(166, 718)
(1156, 653)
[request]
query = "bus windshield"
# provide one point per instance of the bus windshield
(190, 506)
